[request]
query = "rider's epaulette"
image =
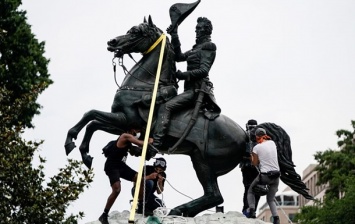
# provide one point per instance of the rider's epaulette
(209, 46)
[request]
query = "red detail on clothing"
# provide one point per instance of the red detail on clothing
(263, 138)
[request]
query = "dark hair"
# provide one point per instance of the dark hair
(134, 125)
(207, 24)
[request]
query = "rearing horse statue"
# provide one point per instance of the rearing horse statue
(215, 146)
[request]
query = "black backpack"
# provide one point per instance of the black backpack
(109, 148)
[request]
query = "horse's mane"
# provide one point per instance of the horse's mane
(284, 152)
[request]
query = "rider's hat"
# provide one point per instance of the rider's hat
(179, 11)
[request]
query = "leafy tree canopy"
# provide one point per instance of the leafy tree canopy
(23, 67)
(25, 194)
(337, 168)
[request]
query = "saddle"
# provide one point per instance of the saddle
(210, 108)
(181, 120)
(185, 121)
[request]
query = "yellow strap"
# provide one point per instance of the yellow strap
(146, 137)
(155, 44)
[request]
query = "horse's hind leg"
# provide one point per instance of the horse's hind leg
(212, 196)
(104, 117)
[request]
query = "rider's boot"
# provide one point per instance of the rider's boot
(161, 126)
(137, 151)
(151, 152)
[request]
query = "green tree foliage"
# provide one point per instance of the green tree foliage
(337, 168)
(26, 196)
(23, 67)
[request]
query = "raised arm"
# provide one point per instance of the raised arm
(126, 139)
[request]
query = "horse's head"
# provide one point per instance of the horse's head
(137, 40)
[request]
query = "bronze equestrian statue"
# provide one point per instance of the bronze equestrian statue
(216, 145)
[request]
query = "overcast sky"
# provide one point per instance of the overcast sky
(286, 62)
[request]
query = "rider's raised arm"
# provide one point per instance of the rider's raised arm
(175, 41)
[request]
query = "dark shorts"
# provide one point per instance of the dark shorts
(123, 171)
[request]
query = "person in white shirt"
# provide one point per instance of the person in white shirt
(264, 156)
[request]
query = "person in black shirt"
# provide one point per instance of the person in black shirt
(116, 168)
(249, 171)
(154, 182)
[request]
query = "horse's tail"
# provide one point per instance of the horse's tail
(284, 152)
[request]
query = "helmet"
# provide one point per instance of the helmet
(160, 162)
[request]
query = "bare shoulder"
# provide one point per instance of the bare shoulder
(124, 139)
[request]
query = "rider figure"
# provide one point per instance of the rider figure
(199, 62)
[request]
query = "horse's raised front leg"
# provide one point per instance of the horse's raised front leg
(212, 196)
(90, 129)
(104, 117)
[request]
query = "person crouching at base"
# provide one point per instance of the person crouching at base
(154, 182)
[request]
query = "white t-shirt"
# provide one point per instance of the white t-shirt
(267, 153)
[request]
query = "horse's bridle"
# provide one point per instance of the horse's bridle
(120, 63)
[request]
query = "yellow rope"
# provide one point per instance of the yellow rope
(149, 123)
(155, 44)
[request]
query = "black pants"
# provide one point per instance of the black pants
(249, 174)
